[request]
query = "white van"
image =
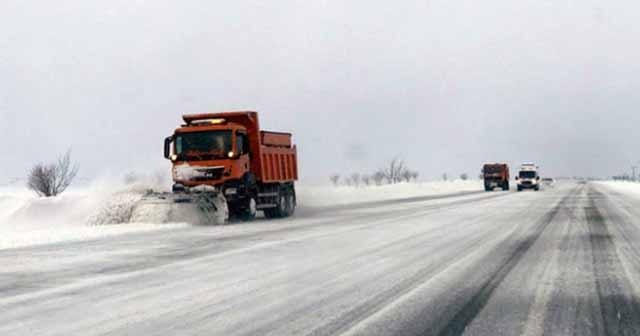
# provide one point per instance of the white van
(528, 177)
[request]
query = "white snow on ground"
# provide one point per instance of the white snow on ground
(317, 196)
(90, 211)
(631, 189)
(26, 219)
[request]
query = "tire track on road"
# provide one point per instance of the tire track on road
(469, 310)
(619, 308)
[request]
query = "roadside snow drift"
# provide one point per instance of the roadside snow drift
(80, 213)
(90, 211)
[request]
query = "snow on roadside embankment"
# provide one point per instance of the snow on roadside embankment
(317, 196)
(631, 189)
(78, 214)
(83, 212)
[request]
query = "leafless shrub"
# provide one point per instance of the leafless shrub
(51, 179)
(445, 177)
(406, 175)
(394, 171)
(335, 179)
(366, 180)
(464, 176)
(378, 177)
(355, 179)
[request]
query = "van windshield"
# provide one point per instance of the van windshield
(203, 145)
(527, 174)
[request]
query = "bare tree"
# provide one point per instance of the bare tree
(394, 171)
(445, 177)
(414, 175)
(51, 179)
(355, 179)
(335, 179)
(378, 177)
(464, 176)
(366, 179)
(406, 175)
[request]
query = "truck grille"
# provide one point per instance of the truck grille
(206, 174)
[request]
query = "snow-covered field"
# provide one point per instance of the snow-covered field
(630, 189)
(84, 212)
(26, 219)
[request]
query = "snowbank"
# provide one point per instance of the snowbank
(84, 212)
(330, 195)
(26, 219)
(631, 189)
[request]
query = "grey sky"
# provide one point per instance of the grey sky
(446, 85)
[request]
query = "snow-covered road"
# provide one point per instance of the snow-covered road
(563, 261)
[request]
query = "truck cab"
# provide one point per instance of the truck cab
(528, 177)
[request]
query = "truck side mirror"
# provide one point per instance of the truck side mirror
(167, 147)
(517, 178)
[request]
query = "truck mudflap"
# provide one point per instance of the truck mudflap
(198, 208)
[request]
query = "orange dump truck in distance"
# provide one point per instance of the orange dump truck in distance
(228, 153)
(495, 175)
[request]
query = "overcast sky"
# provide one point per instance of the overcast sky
(444, 84)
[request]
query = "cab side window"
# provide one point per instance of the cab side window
(242, 143)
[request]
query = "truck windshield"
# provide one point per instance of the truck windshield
(203, 145)
(527, 174)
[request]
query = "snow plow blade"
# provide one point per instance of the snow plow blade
(196, 208)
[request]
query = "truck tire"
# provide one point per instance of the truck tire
(291, 203)
(537, 188)
(487, 188)
(249, 211)
(519, 188)
(506, 186)
(280, 210)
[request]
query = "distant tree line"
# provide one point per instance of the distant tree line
(395, 171)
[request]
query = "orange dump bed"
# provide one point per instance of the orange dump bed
(276, 139)
(278, 164)
(278, 158)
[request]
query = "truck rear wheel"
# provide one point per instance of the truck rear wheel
(285, 205)
(506, 186)
(291, 204)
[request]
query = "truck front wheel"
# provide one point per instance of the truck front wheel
(250, 209)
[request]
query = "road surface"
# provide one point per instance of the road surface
(563, 261)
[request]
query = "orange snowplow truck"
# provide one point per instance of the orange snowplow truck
(495, 175)
(227, 153)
